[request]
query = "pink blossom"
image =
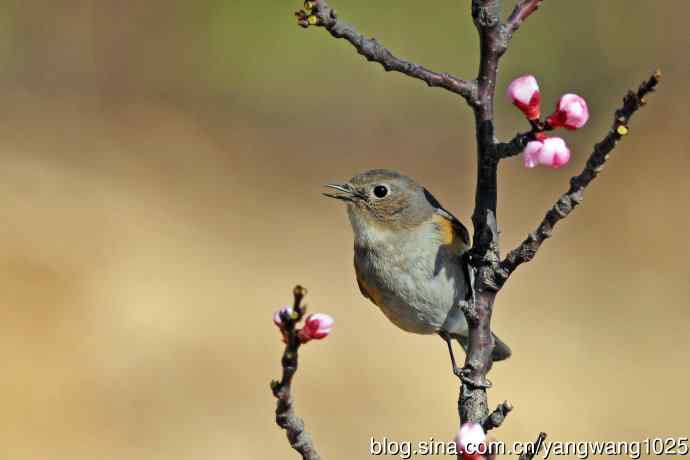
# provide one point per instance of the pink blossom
(531, 153)
(524, 93)
(555, 152)
(571, 112)
(277, 320)
(316, 326)
(552, 151)
(471, 441)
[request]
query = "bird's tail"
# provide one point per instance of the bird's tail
(501, 349)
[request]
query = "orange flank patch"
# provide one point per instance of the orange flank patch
(369, 292)
(445, 228)
(450, 235)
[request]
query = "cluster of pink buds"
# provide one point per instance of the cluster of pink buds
(316, 326)
(571, 113)
(471, 442)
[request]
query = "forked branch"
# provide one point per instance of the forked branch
(319, 13)
(574, 196)
(522, 11)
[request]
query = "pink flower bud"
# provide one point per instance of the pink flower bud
(571, 112)
(531, 153)
(316, 326)
(524, 93)
(555, 152)
(471, 441)
(277, 320)
(552, 151)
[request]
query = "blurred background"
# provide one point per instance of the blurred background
(162, 164)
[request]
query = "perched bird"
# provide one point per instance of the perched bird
(410, 255)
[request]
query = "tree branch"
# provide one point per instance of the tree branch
(286, 418)
(517, 144)
(484, 255)
(574, 196)
(534, 450)
(522, 11)
(319, 13)
(497, 417)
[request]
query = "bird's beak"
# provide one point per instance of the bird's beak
(343, 192)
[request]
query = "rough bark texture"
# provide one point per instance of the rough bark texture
(494, 37)
(496, 418)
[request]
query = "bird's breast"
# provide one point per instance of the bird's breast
(413, 280)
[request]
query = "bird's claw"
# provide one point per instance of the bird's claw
(464, 374)
(459, 372)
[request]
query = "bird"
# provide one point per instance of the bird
(410, 256)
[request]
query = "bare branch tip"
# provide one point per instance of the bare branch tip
(534, 450)
(282, 389)
(497, 417)
(299, 292)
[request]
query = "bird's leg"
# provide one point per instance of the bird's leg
(458, 371)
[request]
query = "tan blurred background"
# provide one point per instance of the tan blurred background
(160, 195)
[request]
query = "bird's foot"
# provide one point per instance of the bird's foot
(465, 375)
(459, 372)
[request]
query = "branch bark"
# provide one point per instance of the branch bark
(574, 196)
(497, 417)
(522, 11)
(484, 255)
(319, 13)
(534, 450)
(517, 144)
(286, 418)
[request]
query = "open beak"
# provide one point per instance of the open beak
(343, 192)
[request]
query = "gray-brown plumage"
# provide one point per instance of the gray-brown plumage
(409, 254)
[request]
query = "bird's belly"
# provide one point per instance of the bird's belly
(417, 296)
(415, 306)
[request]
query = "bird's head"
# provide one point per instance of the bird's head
(383, 200)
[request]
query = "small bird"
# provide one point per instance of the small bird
(410, 256)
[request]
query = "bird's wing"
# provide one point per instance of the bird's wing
(452, 230)
(368, 290)
(455, 235)
(362, 289)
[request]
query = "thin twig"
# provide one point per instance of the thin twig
(517, 144)
(522, 11)
(322, 15)
(533, 450)
(514, 146)
(574, 196)
(497, 417)
(286, 418)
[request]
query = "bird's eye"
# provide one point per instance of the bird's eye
(380, 191)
